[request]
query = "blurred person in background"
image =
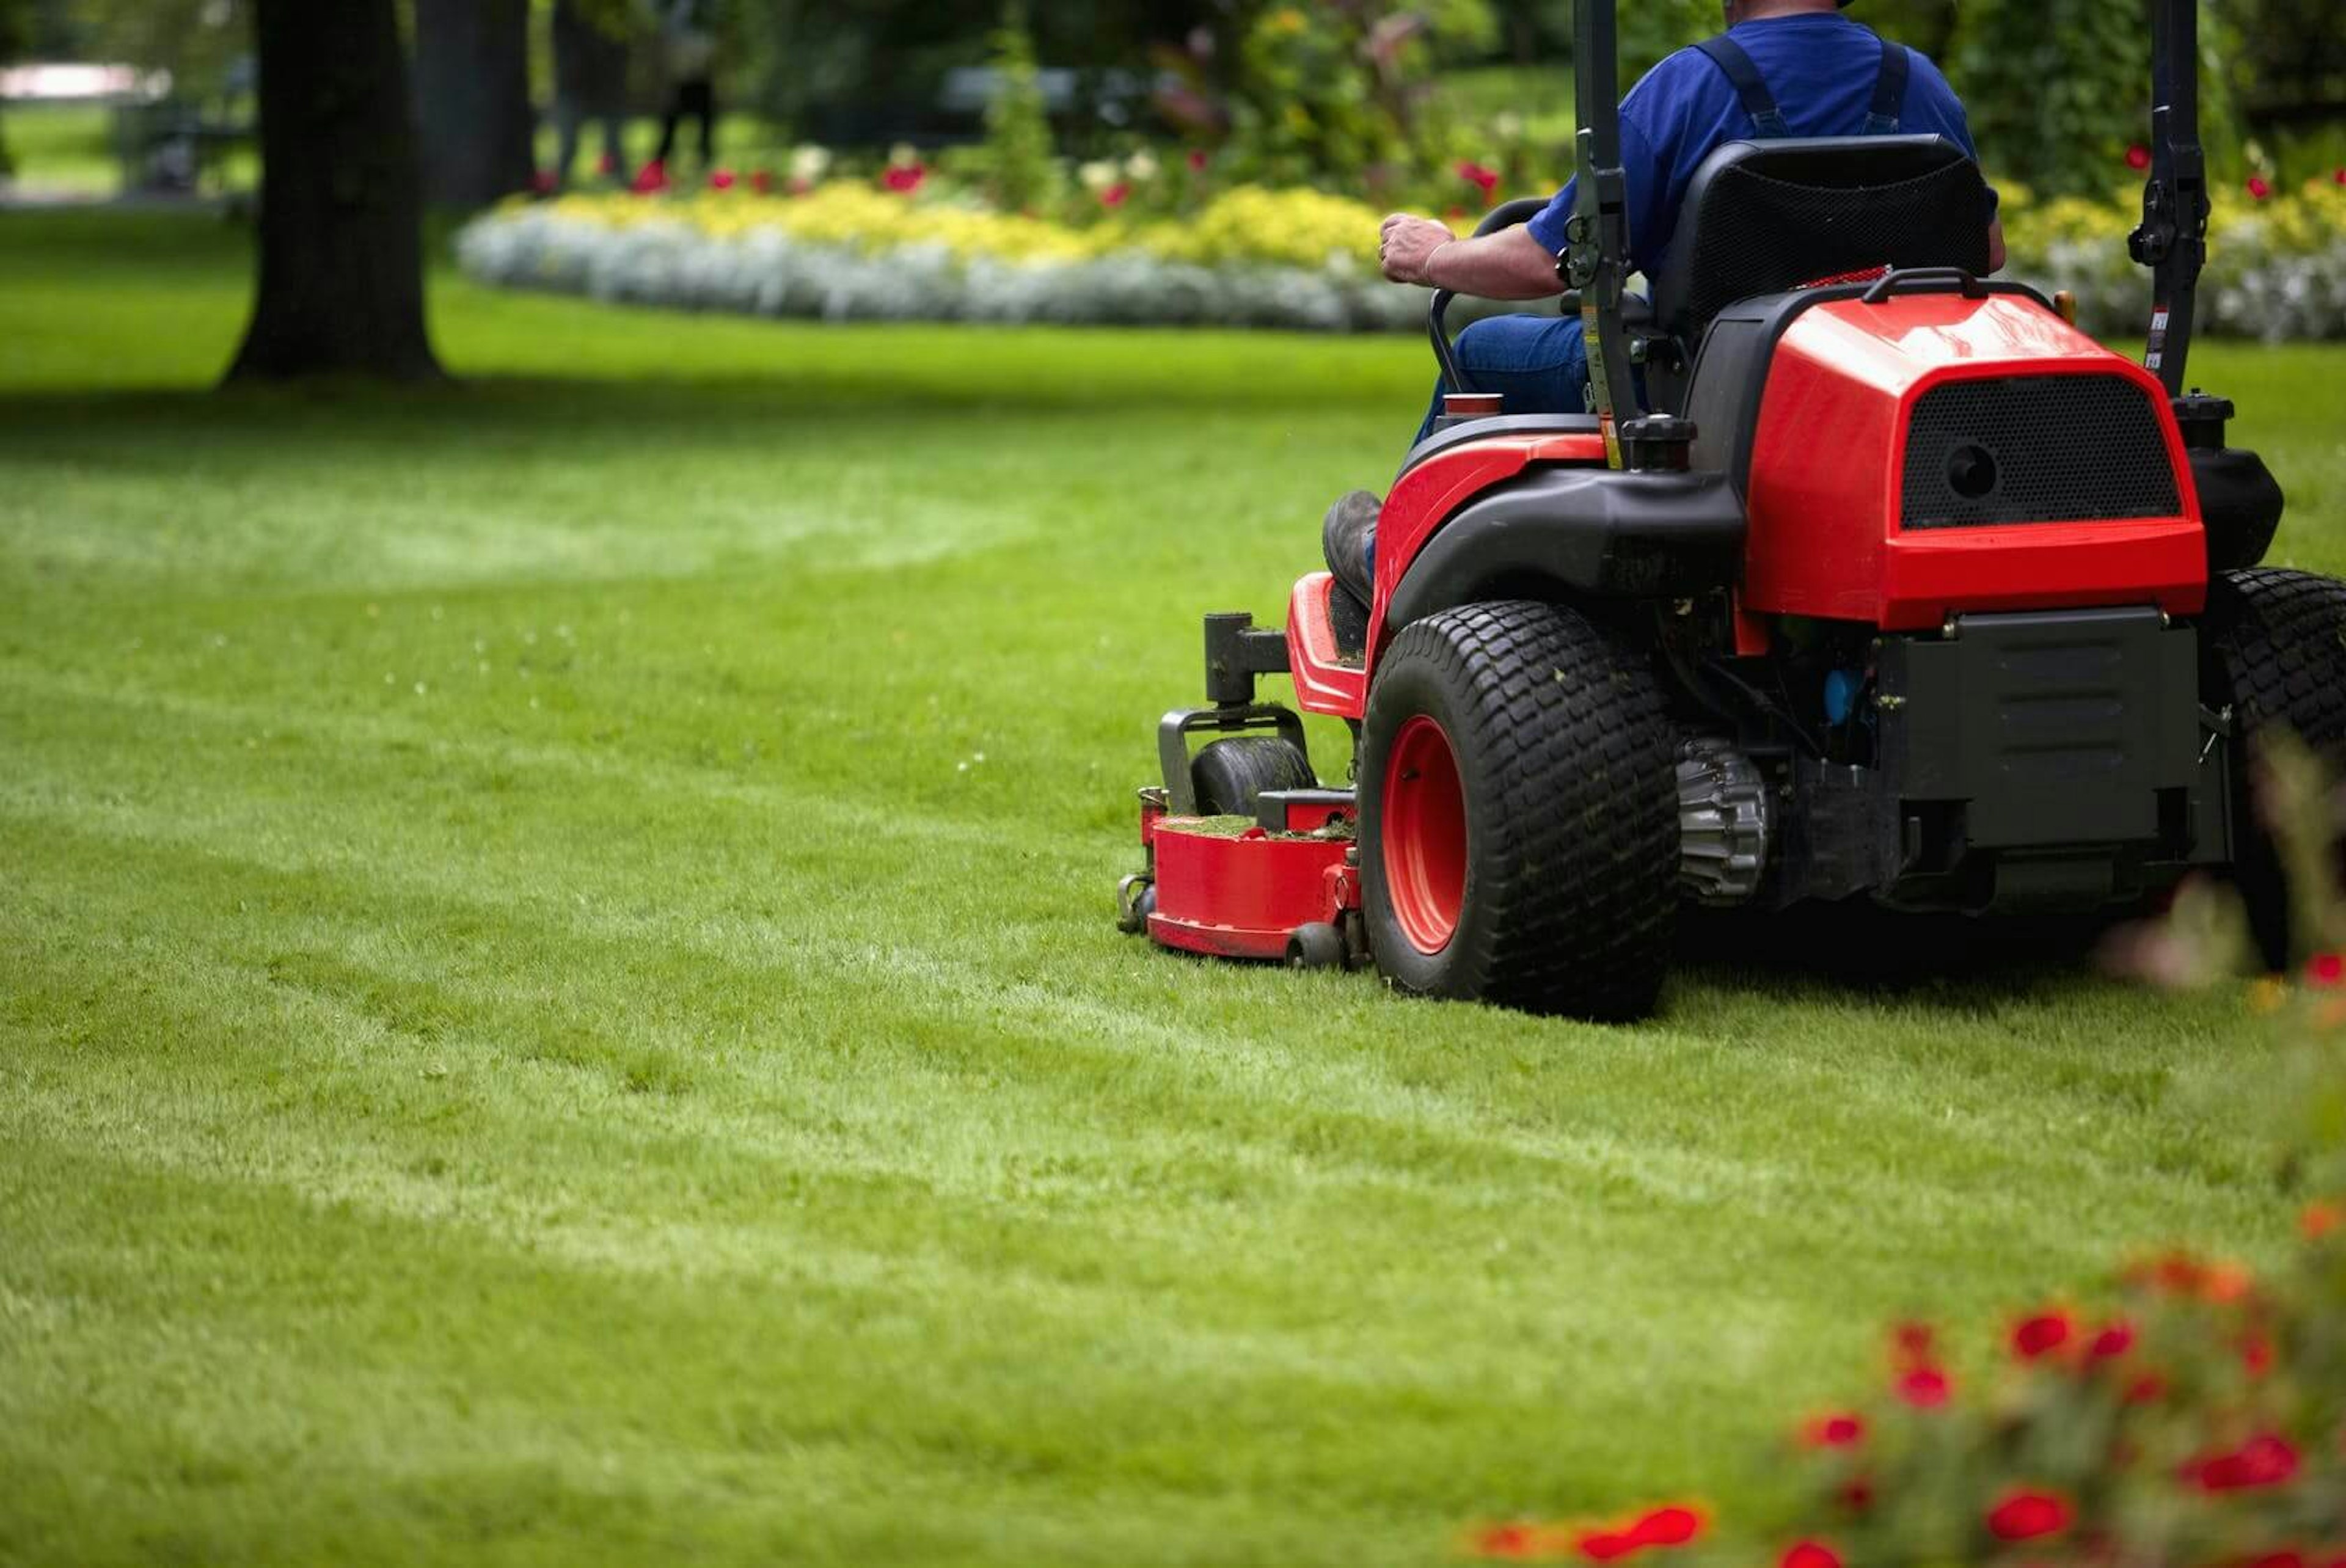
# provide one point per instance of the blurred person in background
(689, 52)
(590, 83)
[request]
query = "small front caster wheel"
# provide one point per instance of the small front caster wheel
(1315, 946)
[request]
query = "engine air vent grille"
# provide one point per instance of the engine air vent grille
(2036, 449)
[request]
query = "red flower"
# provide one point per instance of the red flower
(1925, 1388)
(2327, 970)
(2033, 1338)
(606, 166)
(904, 179)
(2260, 188)
(2256, 1355)
(1197, 161)
(2283, 1559)
(2147, 1389)
(2264, 1461)
(652, 177)
(1115, 195)
(2227, 1282)
(2320, 1220)
(1844, 1430)
(543, 182)
(721, 179)
(1858, 1495)
(1508, 1540)
(2137, 158)
(1485, 180)
(762, 182)
(1809, 1554)
(2030, 1515)
(2338, 178)
(1671, 1526)
(2115, 1340)
(1912, 1342)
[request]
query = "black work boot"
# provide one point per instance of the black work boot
(1344, 540)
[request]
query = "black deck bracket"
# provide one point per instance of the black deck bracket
(1173, 732)
(1237, 650)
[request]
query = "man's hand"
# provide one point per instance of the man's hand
(1407, 244)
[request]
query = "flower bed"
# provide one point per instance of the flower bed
(2277, 269)
(1250, 258)
(897, 249)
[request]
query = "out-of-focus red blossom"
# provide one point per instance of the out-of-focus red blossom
(544, 183)
(904, 179)
(1912, 1342)
(1509, 1541)
(2283, 1559)
(2034, 1338)
(2327, 970)
(2257, 1354)
(1197, 161)
(2321, 1219)
(1809, 1554)
(2228, 1282)
(1661, 1527)
(762, 182)
(2137, 158)
(723, 180)
(799, 184)
(1925, 1388)
(2260, 187)
(2115, 1340)
(1857, 1496)
(2338, 178)
(1485, 180)
(2147, 1389)
(2023, 1515)
(1846, 1429)
(1115, 195)
(2266, 1459)
(651, 178)
(607, 165)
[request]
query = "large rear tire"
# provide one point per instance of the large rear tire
(2276, 654)
(1519, 825)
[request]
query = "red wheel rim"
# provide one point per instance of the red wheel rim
(1424, 835)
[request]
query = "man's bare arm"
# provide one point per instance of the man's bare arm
(1508, 265)
(1995, 251)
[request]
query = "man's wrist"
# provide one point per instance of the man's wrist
(1426, 273)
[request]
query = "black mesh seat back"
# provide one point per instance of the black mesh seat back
(1761, 217)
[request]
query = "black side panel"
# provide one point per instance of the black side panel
(2059, 729)
(1595, 530)
(2242, 504)
(2036, 449)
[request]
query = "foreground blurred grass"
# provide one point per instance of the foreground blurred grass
(559, 999)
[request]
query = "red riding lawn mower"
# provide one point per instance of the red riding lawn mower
(1899, 590)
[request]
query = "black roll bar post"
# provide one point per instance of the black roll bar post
(2173, 240)
(1595, 260)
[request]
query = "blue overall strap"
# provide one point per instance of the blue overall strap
(1890, 92)
(1750, 86)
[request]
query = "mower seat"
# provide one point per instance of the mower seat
(1769, 217)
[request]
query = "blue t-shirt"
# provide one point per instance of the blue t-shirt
(1823, 68)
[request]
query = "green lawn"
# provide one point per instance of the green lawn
(559, 999)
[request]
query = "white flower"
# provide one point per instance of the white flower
(1099, 174)
(904, 154)
(1141, 166)
(810, 163)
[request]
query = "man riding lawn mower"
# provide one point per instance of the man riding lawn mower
(1862, 577)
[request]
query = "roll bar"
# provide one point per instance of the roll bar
(1595, 262)
(2173, 240)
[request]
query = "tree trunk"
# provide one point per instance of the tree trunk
(341, 257)
(471, 93)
